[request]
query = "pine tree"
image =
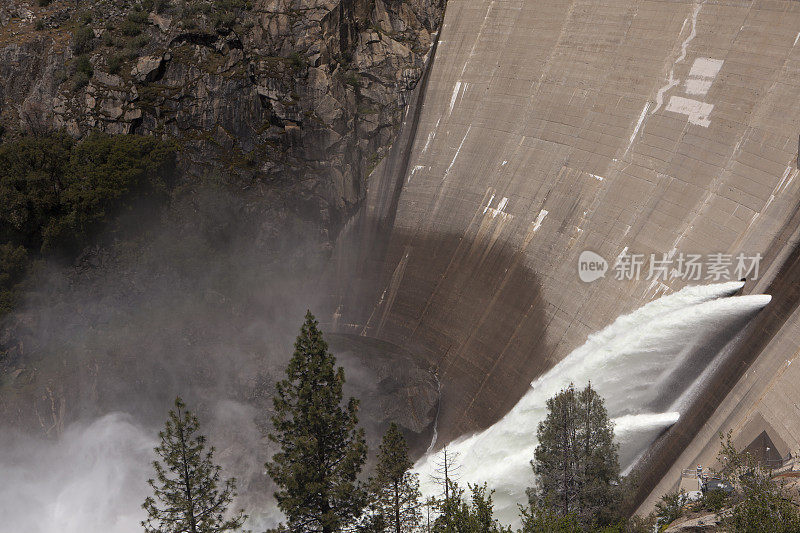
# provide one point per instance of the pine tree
(321, 449)
(188, 497)
(446, 470)
(575, 462)
(459, 516)
(394, 490)
(760, 501)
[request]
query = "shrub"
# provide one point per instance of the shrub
(224, 20)
(297, 60)
(714, 500)
(83, 40)
(130, 28)
(138, 42)
(84, 66)
(43, 3)
(39, 25)
(670, 507)
(352, 79)
(114, 63)
(137, 16)
(107, 38)
(79, 81)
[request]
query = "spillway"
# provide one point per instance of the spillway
(629, 363)
(545, 129)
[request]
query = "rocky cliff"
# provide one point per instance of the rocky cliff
(300, 98)
(280, 110)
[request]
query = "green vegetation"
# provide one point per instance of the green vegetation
(187, 493)
(115, 63)
(714, 501)
(394, 494)
(576, 462)
(457, 515)
(83, 40)
(670, 507)
(760, 503)
(83, 72)
(321, 449)
(56, 194)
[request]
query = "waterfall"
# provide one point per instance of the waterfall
(435, 436)
(643, 364)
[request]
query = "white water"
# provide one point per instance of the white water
(630, 363)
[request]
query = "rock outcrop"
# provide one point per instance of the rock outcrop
(280, 110)
(300, 97)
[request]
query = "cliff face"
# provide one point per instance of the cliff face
(280, 110)
(297, 97)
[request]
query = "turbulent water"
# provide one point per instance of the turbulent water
(645, 364)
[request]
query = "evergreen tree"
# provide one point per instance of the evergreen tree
(459, 516)
(188, 497)
(321, 449)
(446, 471)
(395, 491)
(542, 520)
(575, 462)
(760, 503)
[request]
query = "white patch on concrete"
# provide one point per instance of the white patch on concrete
(621, 255)
(791, 177)
(488, 204)
(702, 74)
(705, 67)
(504, 163)
(697, 111)
(453, 162)
(500, 210)
(414, 170)
(796, 38)
(698, 87)
(671, 81)
(453, 98)
(598, 178)
(638, 125)
(431, 136)
(539, 218)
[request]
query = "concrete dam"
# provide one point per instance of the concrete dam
(644, 132)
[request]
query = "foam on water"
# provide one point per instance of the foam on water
(639, 361)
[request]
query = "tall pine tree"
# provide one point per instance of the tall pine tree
(321, 449)
(187, 495)
(575, 462)
(394, 491)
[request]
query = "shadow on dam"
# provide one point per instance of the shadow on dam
(467, 309)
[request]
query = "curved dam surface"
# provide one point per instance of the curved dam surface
(542, 130)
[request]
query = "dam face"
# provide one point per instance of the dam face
(545, 129)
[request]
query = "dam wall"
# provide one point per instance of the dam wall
(554, 127)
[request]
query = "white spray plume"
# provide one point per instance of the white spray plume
(632, 363)
(92, 479)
